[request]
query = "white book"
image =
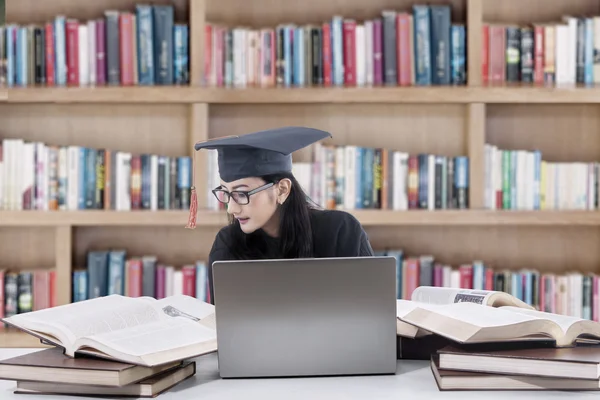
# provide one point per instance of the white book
(169, 277)
(361, 57)
(153, 182)
(350, 192)
(73, 188)
(177, 282)
(91, 34)
(431, 182)
(562, 54)
(84, 63)
(400, 184)
(368, 52)
(123, 181)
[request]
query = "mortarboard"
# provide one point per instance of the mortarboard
(255, 154)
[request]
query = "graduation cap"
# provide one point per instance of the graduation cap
(255, 154)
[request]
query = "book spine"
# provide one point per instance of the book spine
(163, 44)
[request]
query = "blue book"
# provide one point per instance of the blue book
(145, 44)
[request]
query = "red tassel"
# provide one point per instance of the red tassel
(193, 209)
(193, 198)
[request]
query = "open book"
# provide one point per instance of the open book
(446, 295)
(141, 330)
(467, 321)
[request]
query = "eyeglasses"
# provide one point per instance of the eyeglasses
(240, 197)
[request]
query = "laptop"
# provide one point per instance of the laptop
(306, 317)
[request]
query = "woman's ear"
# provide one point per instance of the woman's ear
(284, 188)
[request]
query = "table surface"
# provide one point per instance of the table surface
(413, 380)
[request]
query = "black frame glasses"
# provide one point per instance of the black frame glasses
(241, 197)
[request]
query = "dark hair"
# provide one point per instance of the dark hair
(295, 234)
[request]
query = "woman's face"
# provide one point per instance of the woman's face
(260, 212)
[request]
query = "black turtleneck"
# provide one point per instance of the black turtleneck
(335, 234)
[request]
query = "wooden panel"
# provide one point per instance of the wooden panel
(561, 132)
(197, 15)
(172, 245)
(27, 248)
(259, 13)
(36, 11)
(474, 41)
(476, 141)
(528, 11)
(423, 128)
(556, 250)
(133, 128)
(14, 338)
(62, 242)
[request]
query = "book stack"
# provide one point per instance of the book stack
(490, 340)
(113, 345)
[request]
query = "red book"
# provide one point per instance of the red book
(349, 34)
(52, 285)
(466, 276)
(404, 56)
(134, 288)
(160, 284)
(489, 279)
(126, 47)
(208, 54)
(538, 54)
(485, 45)
(189, 280)
(49, 40)
(72, 30)
(497, 54)
(412, 277)
(326, 54)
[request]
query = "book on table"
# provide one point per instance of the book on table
(51, 365)
(449, 379)
(149, 387)
(479, 316)
(141, 330)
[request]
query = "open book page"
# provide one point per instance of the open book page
(85, 318)
(92, 317)
(166, 336)
(447, 295)
(468, 318)
(571, 326)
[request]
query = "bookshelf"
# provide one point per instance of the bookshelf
(562, 121)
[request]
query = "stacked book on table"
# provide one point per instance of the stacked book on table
(488, 340)
(113, 346)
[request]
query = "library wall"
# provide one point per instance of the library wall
(465, 118)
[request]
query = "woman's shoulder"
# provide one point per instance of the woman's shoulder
(334, 219)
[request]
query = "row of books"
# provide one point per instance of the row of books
(354, 177)
(522, 180)
(114, 272)
(542, 53)
(144, 47)
(572, 293)
(26, 290)
(397, 48)
(40, 176)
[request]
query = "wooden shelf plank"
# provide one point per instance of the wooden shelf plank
(3, 94)
(14, 338)
(105, 94)
(366, 217)
(391, 95)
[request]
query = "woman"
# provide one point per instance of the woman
(270, 215)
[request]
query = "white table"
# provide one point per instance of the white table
(413, 380)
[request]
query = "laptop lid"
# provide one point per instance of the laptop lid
(306, 317)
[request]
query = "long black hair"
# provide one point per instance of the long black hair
(295, 235)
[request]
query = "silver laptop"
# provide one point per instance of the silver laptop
(306, 317)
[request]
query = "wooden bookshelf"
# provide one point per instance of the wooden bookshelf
(370, 218)
(14, 338)
(563, 122)
(506, 94)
